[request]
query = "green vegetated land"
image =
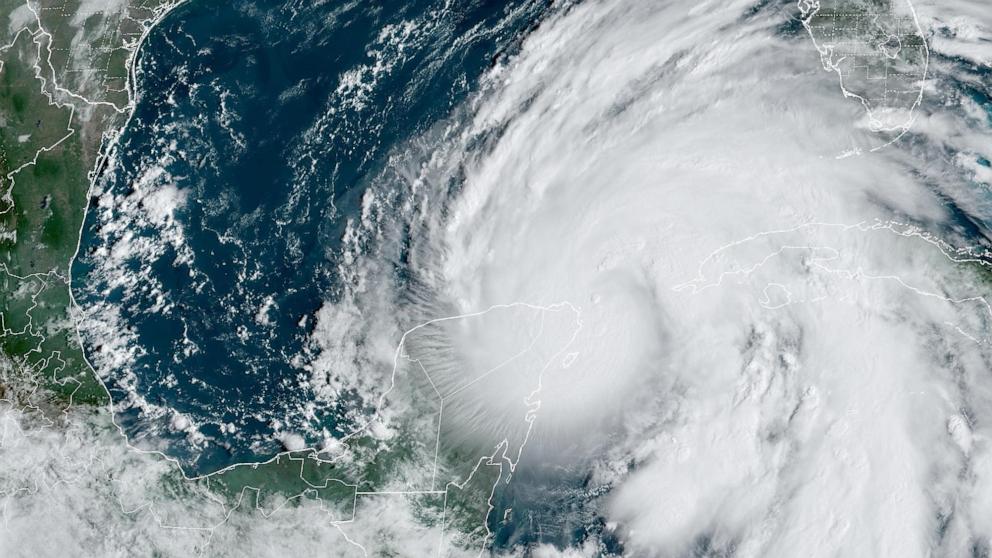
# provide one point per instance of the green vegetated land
(43, 171)
(63, 77)
(871, 22)
(47, 151)
(92, 56)
(287, 480)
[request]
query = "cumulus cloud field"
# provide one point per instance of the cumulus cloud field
(780, 282)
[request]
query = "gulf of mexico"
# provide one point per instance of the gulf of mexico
(212, 234)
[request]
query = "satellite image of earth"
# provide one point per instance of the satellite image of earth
(508, 278)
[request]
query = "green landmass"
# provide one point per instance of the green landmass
(288, 480)
(63, 89)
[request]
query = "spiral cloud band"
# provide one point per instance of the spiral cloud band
(715, 273)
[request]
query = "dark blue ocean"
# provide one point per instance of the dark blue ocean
(214, 231)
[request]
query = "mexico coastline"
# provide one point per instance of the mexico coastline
(216, 219)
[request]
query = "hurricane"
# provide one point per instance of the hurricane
(576, 278)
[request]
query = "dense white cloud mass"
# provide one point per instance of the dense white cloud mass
(784, 343)
(796, 363)
(92, 496)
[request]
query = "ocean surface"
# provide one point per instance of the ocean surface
(215, 228)
(777, 331)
